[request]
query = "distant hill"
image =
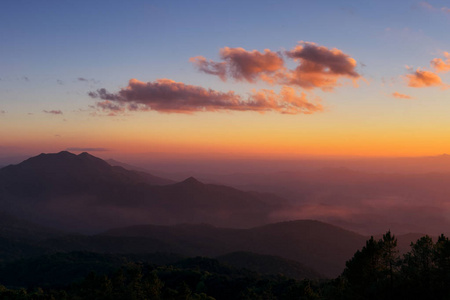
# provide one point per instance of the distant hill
(317, 245)
(17, 229)
(85, 193)
(268, 264)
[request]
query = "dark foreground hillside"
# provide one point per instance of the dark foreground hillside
(376, 271)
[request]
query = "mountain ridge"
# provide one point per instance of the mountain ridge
(85, 193)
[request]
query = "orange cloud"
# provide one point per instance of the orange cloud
(287, 102)
(440, 65)
(401, 96)
(318, 66)
(164, 95)
(241, 64)
(423, 79)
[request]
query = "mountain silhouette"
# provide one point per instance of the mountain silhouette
(85, 193)
(317, 245)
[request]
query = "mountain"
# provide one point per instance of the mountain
(319, 246)
(85, 193)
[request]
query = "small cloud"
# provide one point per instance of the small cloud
(422, 78)
(60, 82)
(430, 7)
(53, 112)
(82, 79)
(81, 149)
(441, 65)
(426, 5)
(401, 96)
(26, 78)
(2, 111)
(168, 96)
(57, 135)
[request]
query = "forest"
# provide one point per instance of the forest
(377, 271)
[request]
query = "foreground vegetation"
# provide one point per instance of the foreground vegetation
(377, 271)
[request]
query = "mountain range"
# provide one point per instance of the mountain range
(85, 193)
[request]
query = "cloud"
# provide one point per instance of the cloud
(401, 96)
(54, 112)
(60, 82)
(426, 5)
(168, 96)
(210, 67)
(2, 111)
(287, 102)
(82, 79)
(430, 7)
(318, 66)
(81, 149)
(241, 64)
(422, 78)
(440, 65)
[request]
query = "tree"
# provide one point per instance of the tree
(418, 266)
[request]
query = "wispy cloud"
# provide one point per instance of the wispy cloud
(92, 80)
(53, 112)
(430, 7)
(168, 96)
(401, 96)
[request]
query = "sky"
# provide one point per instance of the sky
(227, 78)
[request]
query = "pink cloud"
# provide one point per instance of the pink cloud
(241, 64)
(426, 5)
(210, 67)
(164, 95)
(401, 96)
(318, 66)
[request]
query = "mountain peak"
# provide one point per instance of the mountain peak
(191, 180)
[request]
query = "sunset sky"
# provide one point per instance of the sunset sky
(252, 78)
